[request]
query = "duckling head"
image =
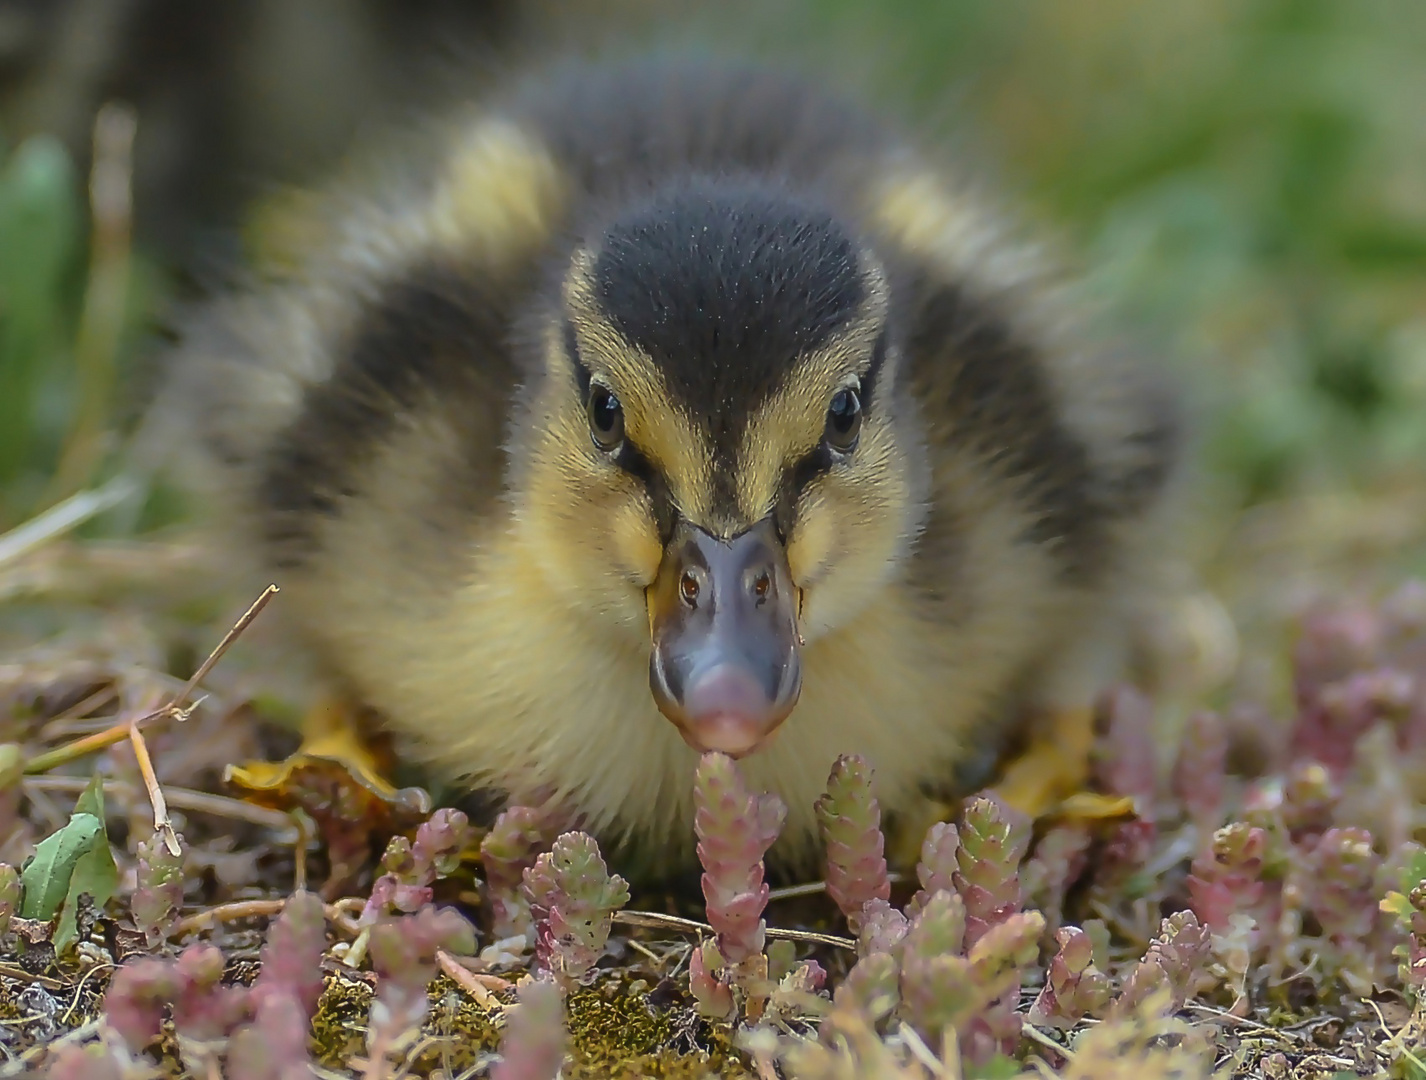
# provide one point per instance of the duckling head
(723, 469)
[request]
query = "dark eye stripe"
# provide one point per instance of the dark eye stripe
(632, 460)
(581, 370)
(820, 460)
(794, 482)
(628, 457)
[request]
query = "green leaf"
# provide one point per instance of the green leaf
(1414, 872)
(47, 876)
(91, 799)
(95, 874)
(71, 862)
(1398, 905)
(999, 1067)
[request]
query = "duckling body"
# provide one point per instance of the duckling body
(673, 408)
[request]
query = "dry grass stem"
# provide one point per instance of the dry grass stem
(162, 824)
(186, 799)
(467, 981)
(655, 921)
(175, 709)
(238, 909)
(244, 621)
(64, 516)
(335, 913)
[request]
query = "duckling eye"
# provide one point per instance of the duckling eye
(844, 421)
(606, 418)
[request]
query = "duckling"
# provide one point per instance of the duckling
(673, 407)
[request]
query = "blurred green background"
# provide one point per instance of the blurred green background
(1244, 182)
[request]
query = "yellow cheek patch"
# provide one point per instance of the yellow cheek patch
(791, 422)
(589, 524)
(596, 516)
(810, 547)
(636, 541)
(851, 525)
(501, 191)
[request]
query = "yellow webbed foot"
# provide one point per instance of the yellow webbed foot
(337, 777)
(335, 732)
(1048, 779)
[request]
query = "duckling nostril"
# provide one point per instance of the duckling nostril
(688, 589)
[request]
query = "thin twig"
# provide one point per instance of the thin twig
(74, 1035)
(187, 799)
(20, 1021)
(162, 824)
(223, 646)
(81, 710)
(643, 950)
(88, 744)
(176, 709)
(416, 1050)
(1240, 1021)
(816, 888)
(79, 989)
(476, 968)
(792, 892)
(467, 981)
(231, 912)
(919, 1050)
(344, 914)
(14, 971)
(810, 938)
(654, 920)
(247, 909)
(301, 822)
(1394, 1039)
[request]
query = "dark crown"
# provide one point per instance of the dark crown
(724, 286)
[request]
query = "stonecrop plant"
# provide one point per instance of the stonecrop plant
(1088, 946)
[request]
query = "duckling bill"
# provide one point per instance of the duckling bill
(668, 408)
(723, 622)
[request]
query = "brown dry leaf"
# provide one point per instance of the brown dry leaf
(335, 778)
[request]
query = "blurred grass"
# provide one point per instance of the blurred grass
(75, 305)
(41, 227)
(1247, 180)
